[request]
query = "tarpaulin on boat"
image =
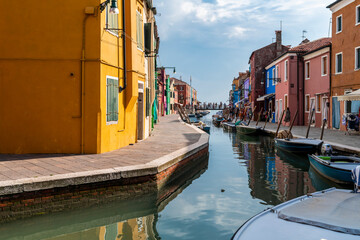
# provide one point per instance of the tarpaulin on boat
(336, 210)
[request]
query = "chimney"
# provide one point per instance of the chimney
(278, 43)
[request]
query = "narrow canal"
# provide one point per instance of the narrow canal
(242, 176)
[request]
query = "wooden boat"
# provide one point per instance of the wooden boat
(299, 145)
(329, 214)
(336, 168)
(217, 121)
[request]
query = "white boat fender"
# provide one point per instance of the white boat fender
(355, 174)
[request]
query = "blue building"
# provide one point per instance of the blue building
(269, 97)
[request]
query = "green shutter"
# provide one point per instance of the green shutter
(116, 100)
(108, 99)
(112, 99)
(147, 102)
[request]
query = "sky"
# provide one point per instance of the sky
(211, 40)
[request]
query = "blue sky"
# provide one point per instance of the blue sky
(211, 40)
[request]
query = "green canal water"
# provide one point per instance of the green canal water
(242, 176)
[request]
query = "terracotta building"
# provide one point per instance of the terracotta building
(184, 93)
(345, 70)
(258, 60)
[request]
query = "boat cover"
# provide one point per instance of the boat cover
(355, 174)
(308, 141)
(336, 210)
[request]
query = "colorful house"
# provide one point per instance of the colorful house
(70, 79)
(269, 97)
(345, 58)
(258, 60)
(317, 83)
(288, 75)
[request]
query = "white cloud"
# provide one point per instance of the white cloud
(237, 32)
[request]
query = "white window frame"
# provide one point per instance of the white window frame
(317, 97)
(323, 64)
(267, 79)
(307, 105)
(273, 76)
(286, 71)
(336, 63)
(307, 70)
(342, 25)
(111, 122)
(357, 19)
(357, 60)
(277, 71)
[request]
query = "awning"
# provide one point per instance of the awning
(353, 96)
(262, 98)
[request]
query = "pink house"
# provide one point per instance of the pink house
(317, 83)
(289, 78)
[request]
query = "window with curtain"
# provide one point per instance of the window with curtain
(139, 30)
(112, 21)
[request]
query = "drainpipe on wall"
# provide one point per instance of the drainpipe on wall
(124, 47)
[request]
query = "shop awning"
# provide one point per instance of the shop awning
(262, 98)
(353, 96)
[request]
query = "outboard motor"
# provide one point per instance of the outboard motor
(326, 149)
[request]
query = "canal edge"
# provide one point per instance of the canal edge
(152, 168)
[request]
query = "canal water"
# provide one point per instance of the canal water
(242, 176)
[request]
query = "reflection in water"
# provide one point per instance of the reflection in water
(250, 172)
(120, 220)
(275, 177)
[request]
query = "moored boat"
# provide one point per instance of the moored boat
(336, 168)
(247, 130)
(329, 214)
(299, 145)
(230, 126)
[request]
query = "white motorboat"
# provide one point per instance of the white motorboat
(332, 214)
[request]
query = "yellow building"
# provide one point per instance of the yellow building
(62, 82)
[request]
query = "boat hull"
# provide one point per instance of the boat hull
(339, 173)
(298, 146)
(246, 130)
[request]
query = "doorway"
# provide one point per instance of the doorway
(140, 125)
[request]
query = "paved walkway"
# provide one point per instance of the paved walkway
(170, 139)
(336, 138)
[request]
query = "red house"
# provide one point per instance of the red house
(290, 86)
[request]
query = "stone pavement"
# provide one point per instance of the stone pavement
(170, 142)
(338, 139)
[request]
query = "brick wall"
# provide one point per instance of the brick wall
(159, 187)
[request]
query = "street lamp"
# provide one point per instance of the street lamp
(113, 7)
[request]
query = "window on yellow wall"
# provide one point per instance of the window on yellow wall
(112, 21)
(112, 99)
(139, 30)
